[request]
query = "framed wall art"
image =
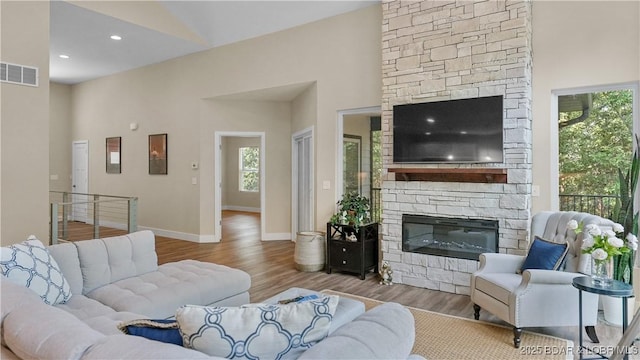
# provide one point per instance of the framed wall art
(158, 154)
(114, 155)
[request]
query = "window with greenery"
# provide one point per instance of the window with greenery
(594, 143)
(249, 179)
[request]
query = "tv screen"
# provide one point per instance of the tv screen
(453, 131)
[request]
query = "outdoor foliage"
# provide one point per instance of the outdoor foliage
(249, 169)
(592, 151)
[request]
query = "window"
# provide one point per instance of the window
(249, 179)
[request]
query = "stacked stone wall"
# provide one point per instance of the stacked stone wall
(443, 50)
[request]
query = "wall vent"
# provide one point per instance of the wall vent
(18, 74)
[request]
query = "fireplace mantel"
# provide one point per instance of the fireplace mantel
(471, 175)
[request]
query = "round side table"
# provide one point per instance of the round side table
(616, 289)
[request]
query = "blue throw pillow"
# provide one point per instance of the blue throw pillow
(545, 255)
(160, 330)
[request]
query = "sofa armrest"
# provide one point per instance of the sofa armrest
(500, 263)
(384, 332)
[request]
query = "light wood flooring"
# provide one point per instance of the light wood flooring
(272, 270)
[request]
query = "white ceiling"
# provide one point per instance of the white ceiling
(83, 34)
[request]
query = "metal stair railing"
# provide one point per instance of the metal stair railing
(80, 216)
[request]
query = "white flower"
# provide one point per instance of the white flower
(587, 242)
(572, 224)
(618, 228)
(594, 230)
(599, 254)
(615, 242)
(632, 242)
(609, 233)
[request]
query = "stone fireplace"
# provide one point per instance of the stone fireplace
(443, 50)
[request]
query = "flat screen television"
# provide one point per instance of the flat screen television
(452, 131)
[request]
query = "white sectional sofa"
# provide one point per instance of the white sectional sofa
(118, 279)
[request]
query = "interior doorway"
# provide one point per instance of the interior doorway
(239, 176)
(79, 180)
(361, 153)
(302, 180)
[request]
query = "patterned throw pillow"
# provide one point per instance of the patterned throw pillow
(29, 264)
(257, 331)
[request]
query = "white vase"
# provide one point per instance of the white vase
(612, 308)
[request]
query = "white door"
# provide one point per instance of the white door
(80, 180)
(302, 216)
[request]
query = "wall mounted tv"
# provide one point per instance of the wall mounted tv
(453, 131)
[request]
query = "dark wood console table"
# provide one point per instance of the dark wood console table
(359, 256)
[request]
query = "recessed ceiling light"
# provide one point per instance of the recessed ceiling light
(463, 132)
(63, 56)
(431, 120)
(116, 37)
(428, 133)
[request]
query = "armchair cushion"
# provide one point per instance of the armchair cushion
(499, 285)
(545, 255)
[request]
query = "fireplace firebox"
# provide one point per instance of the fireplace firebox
(458, 238)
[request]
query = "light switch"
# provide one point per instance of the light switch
(326, 185)
(194, 181)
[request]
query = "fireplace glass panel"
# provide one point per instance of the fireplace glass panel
(459, 238)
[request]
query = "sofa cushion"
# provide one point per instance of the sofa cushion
(384, 332)
(104, 261)
(13, 295)
(545, 255)
(135, 347)
(259, 331)
(66, 255)
(39, 331)
(97, 315)
(162, 330)
(30, 264)
(158, 294)
(347, 309)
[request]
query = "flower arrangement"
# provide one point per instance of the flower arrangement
(604, 244)
(353, 209)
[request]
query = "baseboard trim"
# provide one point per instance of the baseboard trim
(276, 236)
(241, 208)
(181, 235)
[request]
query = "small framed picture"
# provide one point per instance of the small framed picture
(114, 155)
(158, 154)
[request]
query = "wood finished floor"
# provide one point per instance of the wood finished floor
(272, 270)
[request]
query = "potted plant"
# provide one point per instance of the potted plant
(625, 214)
(353, 209)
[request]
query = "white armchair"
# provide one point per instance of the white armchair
(538, 298)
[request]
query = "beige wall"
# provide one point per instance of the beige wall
(340, 55)
(232, 197)
(60, 137)
(576, 44)
(24, 133)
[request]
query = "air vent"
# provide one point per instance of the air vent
(18, 74)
